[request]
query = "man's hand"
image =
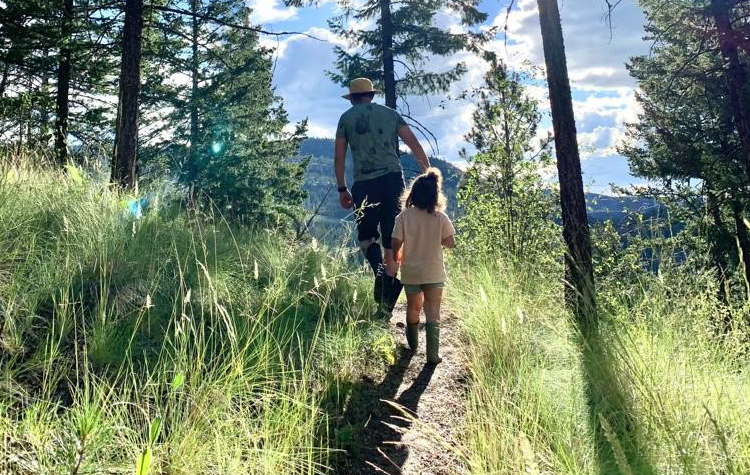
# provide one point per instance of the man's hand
(392, 258)
(346, 200)
(391, 267)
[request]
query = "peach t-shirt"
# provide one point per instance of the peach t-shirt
(422, 234)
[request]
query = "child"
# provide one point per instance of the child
(420, 231)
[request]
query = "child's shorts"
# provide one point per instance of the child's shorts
(411, 289)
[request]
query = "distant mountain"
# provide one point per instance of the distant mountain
(617, 208)
(320, 179)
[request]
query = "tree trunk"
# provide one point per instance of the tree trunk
(41, 139)
(4, 80)
(508, 178)
(736, 75)
(65, 66)
(717, 246)
(19, 148)
(126, 131)
(580, 293)
(389, 76)
(193, 166)
(743, 240)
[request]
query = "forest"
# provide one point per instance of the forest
(185, 283)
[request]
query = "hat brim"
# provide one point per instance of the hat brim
(349, 96)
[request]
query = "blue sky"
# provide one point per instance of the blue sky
(602, 90)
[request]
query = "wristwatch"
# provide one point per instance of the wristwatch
(343, 189)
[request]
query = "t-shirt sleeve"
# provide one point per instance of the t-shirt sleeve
(447, 228)
(341, 129)
(399, 120)
(398, 228)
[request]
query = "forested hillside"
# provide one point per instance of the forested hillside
(322, 196)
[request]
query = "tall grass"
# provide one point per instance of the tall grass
(173, 341)
(654, 391)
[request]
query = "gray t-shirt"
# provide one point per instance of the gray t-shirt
(372, 133)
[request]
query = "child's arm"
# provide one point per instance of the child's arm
(396, 245)
(449, 242)
(448, 232)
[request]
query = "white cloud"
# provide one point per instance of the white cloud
(301, 80)
(596, 55)
(601, 122)
(268, 11)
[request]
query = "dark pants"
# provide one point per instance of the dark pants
(378, 202)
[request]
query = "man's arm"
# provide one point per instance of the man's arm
(339, 162)
(339, 168)
(449, 242)
(416, 148)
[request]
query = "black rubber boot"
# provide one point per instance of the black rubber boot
(393, 291)
(381, 292)
(374, 257)
(412, 335)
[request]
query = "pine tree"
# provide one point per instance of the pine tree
(502, 196)
(227, 135)
(47, 52)
(395, 52)
(578, 264)
(126, 128)
(735, 72)
(27, 37)
(686, 132)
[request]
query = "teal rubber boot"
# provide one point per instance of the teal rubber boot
(412, 335)
(432, 331)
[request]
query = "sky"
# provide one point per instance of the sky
(603, 92)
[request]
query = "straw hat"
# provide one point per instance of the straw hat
(360, 86)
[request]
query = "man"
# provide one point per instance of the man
(372, 131)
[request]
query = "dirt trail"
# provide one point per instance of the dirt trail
(391, 444)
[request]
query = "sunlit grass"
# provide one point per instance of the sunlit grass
(670, 395)
(180, 342)
(230, 341)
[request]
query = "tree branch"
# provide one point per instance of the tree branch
(234, 25)
(425, 131)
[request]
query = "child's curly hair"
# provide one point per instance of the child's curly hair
(425, 192)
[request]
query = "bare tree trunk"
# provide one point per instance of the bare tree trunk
(736, 75)
(65, 66)
(193, 170)
(389, 76)
(508, 178)
(126, 131)
(742, 237)
(20, 135)
(4, 80)
(580, 294)
(717, 247)
(41, 140)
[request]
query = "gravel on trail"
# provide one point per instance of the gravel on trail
(411, 415)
